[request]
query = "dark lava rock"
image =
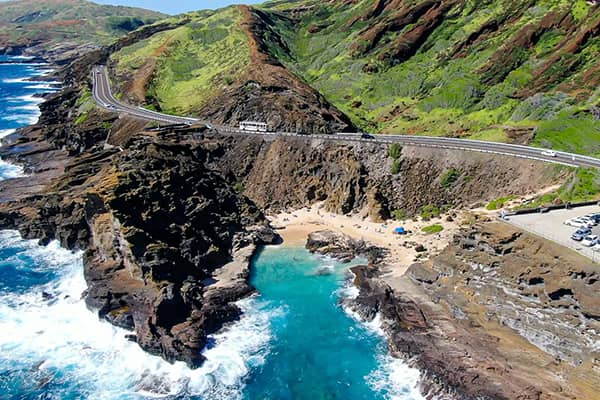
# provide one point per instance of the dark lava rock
(343, 247)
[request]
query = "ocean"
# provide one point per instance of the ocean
(294, 341)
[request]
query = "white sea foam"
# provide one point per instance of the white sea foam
(24, 107)
(6, 132)
(394, 378)
(22, 119)
(15, 80)
(9, 171)
(96, 358)
(26, 98)
(47, 86)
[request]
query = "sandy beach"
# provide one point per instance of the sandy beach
(294, 227)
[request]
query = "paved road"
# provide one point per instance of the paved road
(105, 99)
(103, 96)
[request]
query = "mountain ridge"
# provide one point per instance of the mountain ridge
(49, 27)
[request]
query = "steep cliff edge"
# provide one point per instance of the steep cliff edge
(292, 173)
(157, 227)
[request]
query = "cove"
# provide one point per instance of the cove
(317, 350)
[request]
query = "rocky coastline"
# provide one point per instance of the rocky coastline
(499, 314)
(169, 227)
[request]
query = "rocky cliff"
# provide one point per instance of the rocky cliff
(293, 173)
(499, 314)
(157, 228)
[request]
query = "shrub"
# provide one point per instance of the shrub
(400, 215)
(239, 187)
(395, 151)
(396, 167)
(499, 203)
(431, 229)
(449, 178)
(430, 211)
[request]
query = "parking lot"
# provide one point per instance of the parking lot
(550, 226)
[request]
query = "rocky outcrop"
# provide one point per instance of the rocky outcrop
(343, 247)
(499, 314)
(167, 241)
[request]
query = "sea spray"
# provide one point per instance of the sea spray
(52, 345)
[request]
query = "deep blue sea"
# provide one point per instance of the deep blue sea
(294, 341)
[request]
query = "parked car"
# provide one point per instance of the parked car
(588, 220)
(579, 234)
(595, 217)
(577, 223)
(590, 240)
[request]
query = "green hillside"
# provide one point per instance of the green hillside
(30, 22)
(451, 68)
(180, 70)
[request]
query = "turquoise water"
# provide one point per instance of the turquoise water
(294, 340)
(318, 350)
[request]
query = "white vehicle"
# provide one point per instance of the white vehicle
(590, 240)
(549, 153)
(587, 220)
(577, 223)
(253, 126)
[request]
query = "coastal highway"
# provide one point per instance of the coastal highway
(104, 98)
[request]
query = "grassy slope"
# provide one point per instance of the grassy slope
(76, 20)
(435, 93)
(191, 63)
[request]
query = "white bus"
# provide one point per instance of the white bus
(253, 126)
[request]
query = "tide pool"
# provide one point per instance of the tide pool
(317, 350)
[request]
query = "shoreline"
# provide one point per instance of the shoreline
(295, 226)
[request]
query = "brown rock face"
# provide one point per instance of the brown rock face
(500, 314)
(343, 247)
(295, 173)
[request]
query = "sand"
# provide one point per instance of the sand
(294, 227)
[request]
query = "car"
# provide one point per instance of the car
(549, 153)
(576, 236)
(579, 234)
(590, 240)
(576, 223)
(594, 217)
(584, 221)
(588, 220)
(366, 136)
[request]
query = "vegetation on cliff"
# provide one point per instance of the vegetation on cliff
(180, 70)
